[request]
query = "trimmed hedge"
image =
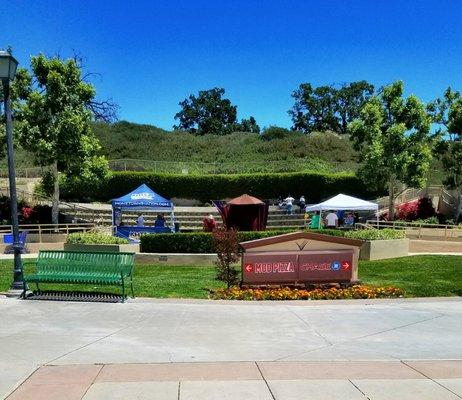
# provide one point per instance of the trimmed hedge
(314, 185)
(202, 242)
(376, 234)
(94, 238)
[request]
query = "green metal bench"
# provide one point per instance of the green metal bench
(82, 267)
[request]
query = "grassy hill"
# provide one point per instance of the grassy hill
(126, 140)
(178, 152)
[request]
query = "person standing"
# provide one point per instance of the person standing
(315, 222)
(160, 221)
(302, 203)
(331, 220)
(349, 221)
(289, 204)
(140, 220)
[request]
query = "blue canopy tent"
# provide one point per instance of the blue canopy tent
(142, 198)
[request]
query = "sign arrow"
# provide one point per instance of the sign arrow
(346, 265)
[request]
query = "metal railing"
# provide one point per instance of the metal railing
(409, 194)
(420, 229)
(29, 172)
(42, 229)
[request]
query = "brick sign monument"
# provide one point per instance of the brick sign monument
(300, 257)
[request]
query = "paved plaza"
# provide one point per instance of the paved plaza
(187, 349)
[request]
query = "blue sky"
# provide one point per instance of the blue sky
(152, 54)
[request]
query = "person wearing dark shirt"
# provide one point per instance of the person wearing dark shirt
(160, 221)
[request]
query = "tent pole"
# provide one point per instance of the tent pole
(113, 224)
(172, 220)
(320, 216)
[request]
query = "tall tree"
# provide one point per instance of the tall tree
(447, 113)
(53, 114)
(440, 108)
(314, 109)
(350, 97)
(207, 113)
(392, 135)
(328, 107)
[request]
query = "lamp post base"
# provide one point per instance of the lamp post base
(14, 293)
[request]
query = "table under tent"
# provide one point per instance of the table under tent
(140, 200)
(343, 202)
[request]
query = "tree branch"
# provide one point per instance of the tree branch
(104, 111)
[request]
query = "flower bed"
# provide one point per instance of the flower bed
(286, 293)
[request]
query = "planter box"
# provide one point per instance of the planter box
(382, 249)
(94, 248)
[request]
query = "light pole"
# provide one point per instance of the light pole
(8, 65)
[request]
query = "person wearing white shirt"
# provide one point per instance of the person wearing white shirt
(331, 220)
(140, 220)
(289, 204)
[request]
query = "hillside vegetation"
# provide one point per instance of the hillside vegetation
(240, 152)
(128, 140)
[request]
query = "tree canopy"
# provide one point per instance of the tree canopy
(210, 113)
(207, 113)
(328, 108)
(392, 135)
(447, 113)
(53, 119)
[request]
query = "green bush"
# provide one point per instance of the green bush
(202, 242)
(196, 242)
(276, 132)
(314, 185)
(376, 234)
(94, 238)
(429, 220)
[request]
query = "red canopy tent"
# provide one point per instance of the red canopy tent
(245, 213)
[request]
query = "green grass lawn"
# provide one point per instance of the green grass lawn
(420, 276)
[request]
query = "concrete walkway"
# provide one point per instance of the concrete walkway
(180, 349)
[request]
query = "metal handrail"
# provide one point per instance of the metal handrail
(422, 229)
(405, 224)
(42, 229)
(39, 198)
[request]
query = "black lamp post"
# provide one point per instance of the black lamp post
(8, 65)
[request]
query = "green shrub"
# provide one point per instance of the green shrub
(276, 132)
(430, 220)
(314, 185)
(376, 234)
(202, 242)
(196, 242)
(94, 238)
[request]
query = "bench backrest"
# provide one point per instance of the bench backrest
(78, 261)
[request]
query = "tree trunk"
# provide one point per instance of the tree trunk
(391, 200)
(55, 201)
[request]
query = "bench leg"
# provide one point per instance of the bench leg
(133, 292)
(123, 291)
(38, 289)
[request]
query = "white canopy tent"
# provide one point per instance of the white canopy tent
(343, 202)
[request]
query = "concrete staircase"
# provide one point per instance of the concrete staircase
(189, 218)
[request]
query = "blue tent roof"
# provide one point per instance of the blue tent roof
(142, 197)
